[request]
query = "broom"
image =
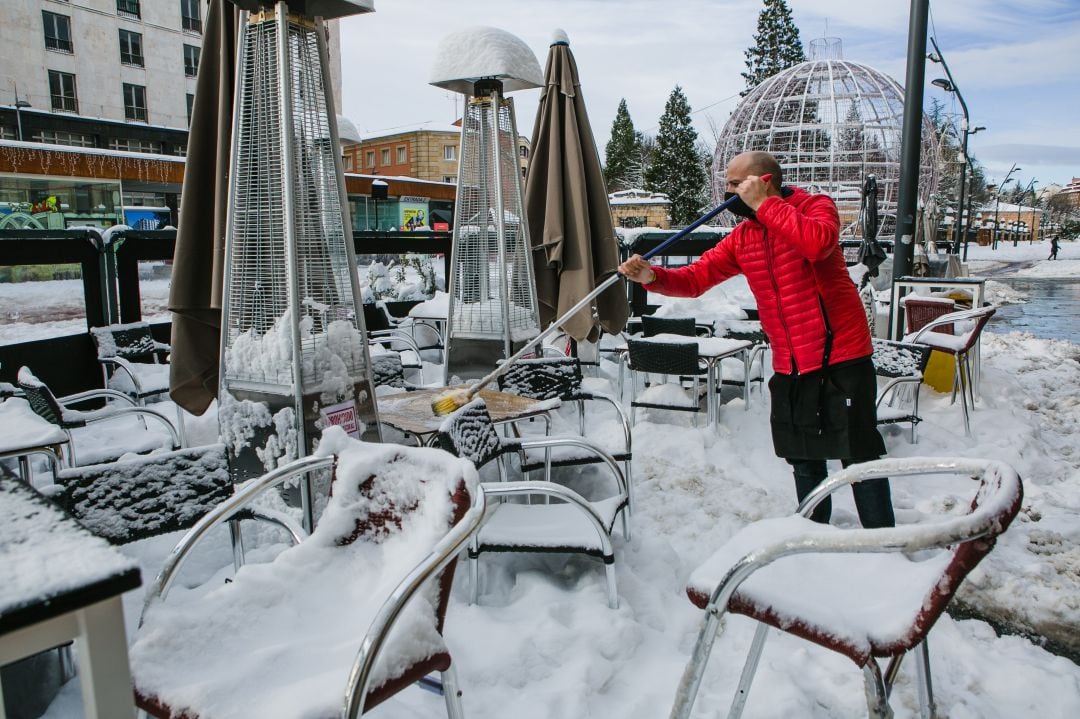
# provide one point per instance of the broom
(447, 402)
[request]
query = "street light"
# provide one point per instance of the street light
(949, 85)
(997, 202)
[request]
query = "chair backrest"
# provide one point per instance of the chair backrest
(40, 397)
(900, 359)
(979, 315)
(469, 433)
(375, 318)
(387, 370)
(543, 378)
(133, 341)
(651, 326)
(664, 357)
(134, 499)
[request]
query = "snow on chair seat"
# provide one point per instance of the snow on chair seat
(334, 625)
(865, 593)
(129, 357)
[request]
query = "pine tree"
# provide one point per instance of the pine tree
(776, 45)
(676, 167)
(622, 156)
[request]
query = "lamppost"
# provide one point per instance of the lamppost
(997, 203)
(1022, 194)
(950, 86)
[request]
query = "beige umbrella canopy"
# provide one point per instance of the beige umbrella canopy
(199, 258)
(567, 207)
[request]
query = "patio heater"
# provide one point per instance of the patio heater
(294, 353)
(492, 308)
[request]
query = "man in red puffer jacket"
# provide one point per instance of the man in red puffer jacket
(823, 388)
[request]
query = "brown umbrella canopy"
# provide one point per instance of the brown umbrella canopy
(199, 259)
(567, 207)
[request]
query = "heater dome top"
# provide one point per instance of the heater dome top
(347, 132)
(479, 53)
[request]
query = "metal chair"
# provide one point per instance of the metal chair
(132, 361)
(652, 326)
(960, 347)
(572, 525)
(561, 377)
(381, 331)
(876, 593)
(902, 364)
(666, 358)
(348, 591)
(60, 412)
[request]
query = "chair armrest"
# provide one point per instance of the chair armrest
(550, 489)
(627, 433)
(395, 336)
(895, 381)
(92, 394)
(444, 552)
(565, 441)
(123, 364)
(159, 588)
(142, 411)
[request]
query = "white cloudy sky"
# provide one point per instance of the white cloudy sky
(1015, 62)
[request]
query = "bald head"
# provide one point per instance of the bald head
(755, 163)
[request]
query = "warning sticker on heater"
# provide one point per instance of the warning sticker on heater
(342, 415)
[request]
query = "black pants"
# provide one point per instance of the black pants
(873, 498)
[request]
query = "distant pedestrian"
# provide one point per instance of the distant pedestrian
(1053, 248)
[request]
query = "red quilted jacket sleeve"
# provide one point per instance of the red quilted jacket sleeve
(812, 229)
(715, 266)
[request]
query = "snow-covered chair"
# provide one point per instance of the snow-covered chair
(382, 332)
(902, 364)
(969, 324)
(865, 593)
(572, 524)
(60, 411)
(561, 377)
(665, 358)
(145, 496)
(132, 361)
(334, 625)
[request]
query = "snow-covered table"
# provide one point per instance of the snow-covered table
(711, 351)
(411, 412)
(59, 582)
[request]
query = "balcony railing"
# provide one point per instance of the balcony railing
(56, 43)
(193, 24)
(128, 8)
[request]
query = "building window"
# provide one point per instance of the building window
(135, 102)
(128, 8)
(59, 137)
(62, 91)
(523, 171)
(449, 152)
(8, 133)
(524, 152)
(191, 60)
(384, 156)
(346, 163)
(449, 178)
(370, 161)
(131, 48)
(180, 149)
(402, 155)
(189, 15)
(129, 145)
(57, 32)
(190, 106)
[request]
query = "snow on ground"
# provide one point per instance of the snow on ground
(543, 644)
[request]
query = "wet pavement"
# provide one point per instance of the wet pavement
(1051, 312)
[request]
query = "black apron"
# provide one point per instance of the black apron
(827, 414)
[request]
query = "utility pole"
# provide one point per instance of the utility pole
(910, 144)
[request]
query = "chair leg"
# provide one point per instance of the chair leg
(749, 670)
(474, 572)
(695, 668)
(959, 379)
(452, 694)
(927, 709)
(877, 702)
(626, 523)
(629, 486)
(612, 590)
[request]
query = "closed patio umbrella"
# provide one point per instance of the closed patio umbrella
(871, 253)
(566, 204)
(198, 261)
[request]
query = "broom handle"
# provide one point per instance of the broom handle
(587, 299)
